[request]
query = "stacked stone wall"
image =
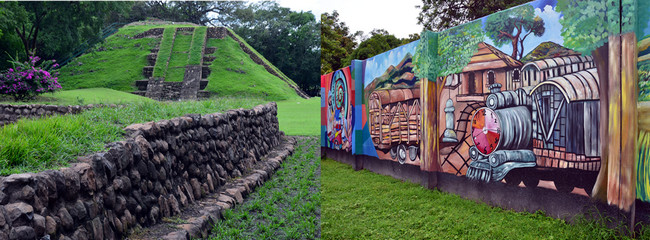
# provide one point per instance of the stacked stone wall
(159, 168)
(11, 113)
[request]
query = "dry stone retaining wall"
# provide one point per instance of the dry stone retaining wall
(160, 167)
(11, 113)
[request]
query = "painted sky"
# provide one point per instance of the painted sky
(377, 65)
(546, 10)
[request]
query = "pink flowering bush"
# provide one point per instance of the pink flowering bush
(26, 80)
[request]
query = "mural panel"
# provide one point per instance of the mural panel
(337, 108)
(393, 105)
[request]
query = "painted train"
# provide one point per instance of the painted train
(394, 122)
(548, 131)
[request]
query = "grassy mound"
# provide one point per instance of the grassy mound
(118, 62)
(234, 73)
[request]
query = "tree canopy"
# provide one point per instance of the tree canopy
(380, 41)
(337, 42)
(586, 25)
(438, 15)
(513, 26)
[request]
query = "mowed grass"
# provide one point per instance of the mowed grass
(197, 45)
(285, 207)
(48, 143)
(164, 52)
(234, 73)
(83, 97)
(365, 205)
(300, 116)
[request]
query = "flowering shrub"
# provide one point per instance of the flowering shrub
(26, 80)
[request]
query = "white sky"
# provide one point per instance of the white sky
(397, 17)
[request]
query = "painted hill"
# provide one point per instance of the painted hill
(400, 76)
(548, 50)
(145, 56)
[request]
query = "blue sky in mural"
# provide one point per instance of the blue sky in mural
(546, 10)
(377, 65)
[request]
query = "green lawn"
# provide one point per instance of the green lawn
(197, 45)
(365, 205)
(83, 97)
(164, 52)
(300, 116)
(234, 73)
(52, 142)
(285, 207)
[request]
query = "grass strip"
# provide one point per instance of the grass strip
(366, 205)
(164, 52)
(48, 143)
(196, 49)
(82, 97)
(285, 207)
(300, 116)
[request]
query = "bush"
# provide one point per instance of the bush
(27, 80)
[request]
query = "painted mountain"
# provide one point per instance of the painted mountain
(400, 76)
(548, 50)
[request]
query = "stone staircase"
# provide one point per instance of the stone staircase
(191, 88)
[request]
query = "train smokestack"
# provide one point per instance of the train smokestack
(495, 88)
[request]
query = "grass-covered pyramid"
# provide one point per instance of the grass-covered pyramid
(165, 61)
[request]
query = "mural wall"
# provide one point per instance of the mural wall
(337, 110)
(534, 96)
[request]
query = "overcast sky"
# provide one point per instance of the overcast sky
(397, 17)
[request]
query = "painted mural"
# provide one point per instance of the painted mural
(393, 105)
(337, 108)
(534, 96)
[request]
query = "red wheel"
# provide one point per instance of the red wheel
(486, 131)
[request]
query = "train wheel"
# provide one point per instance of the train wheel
(401, 153)
(393, 152)
(512, 178)
(413, 152)
(563, 186)
(531, 182)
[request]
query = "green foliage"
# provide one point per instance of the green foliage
(365, 205)
(197, 45)
(35, 145)
(337, 42)
(300, 116)
(285, 207)
(380, 41)
(455, 48)
(438, 15)
(164, 52)
(513, 26)
(642, 17)
(234, 73)
(52, 29)
(83, 97)
(586, 25)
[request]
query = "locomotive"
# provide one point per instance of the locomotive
(394, 121)
(547, 132)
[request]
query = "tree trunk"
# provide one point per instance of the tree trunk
(629, 97)
(601, 59)
(515, 46)
(429, 127)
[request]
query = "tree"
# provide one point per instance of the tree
(513, 26)
(447, 52)
(289, 40)
(438, 15)
(379, 42)
(337, 42)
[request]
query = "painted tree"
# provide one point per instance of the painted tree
(514, 26)
(594, 27)
(455, 47)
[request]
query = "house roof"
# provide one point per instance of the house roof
(489, 57)
(582, 85)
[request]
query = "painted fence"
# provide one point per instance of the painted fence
(541, 95)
